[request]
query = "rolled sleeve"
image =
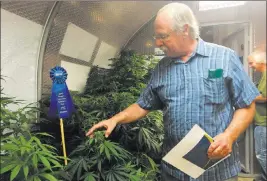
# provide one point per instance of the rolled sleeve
(242, 89)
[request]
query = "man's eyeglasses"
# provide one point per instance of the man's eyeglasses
(162, 36)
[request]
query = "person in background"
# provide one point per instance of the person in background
(257, 61)
(196, 83)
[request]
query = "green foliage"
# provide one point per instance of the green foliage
(26, 158)
(133, 151)
(129, 73)
(73, 130)
(100, 158)
(108, 92)
(23, 156)
(14, 122)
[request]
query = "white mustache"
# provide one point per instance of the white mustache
(163, 48)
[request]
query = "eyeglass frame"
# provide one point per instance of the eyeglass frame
(162, 37)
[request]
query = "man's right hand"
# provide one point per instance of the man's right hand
(108, 124)
(130, 114)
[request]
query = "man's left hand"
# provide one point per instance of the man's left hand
(221, 146)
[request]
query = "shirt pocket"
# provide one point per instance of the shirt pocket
(215, 90)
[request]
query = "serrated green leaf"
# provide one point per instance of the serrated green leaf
(26, 171)
(63, 158)
(36, 178)
(49, 146)
(48, 177)
(134, 178)
(85, 167)
(107, 153)
(22, 139)
(15, 172)
(79, 170)
(119, 177)
(74, 167)
(56, 163)
(22, 150)
(45, 134)
(7, 168)
(90, 178)
(111, 148)
(99, 166)
(91, 141)
(101, 149)
(65, 175)
(39, 143)
(9, 147)
(30, 178)
(45, 161)
(34, 160)
(48, 154)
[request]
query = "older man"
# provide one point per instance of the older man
(257, 61)
(196, 83)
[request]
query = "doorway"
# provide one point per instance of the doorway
(237, 36)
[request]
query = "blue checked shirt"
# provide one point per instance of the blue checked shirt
(188, 96)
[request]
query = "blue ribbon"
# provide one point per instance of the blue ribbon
(61, 104)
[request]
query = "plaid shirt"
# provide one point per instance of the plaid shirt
(188, 96)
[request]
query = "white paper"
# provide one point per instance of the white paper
(190, 154)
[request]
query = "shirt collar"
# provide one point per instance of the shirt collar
(201, 49)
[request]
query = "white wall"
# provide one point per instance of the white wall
(77, 75)
(254, 11)
(105, 52)
(220, 32)
(20, 39)
(235, 41)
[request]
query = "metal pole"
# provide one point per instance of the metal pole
(47, 27)
(138, 31)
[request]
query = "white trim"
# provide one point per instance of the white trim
(233, 34)
(213, 5)
(222, 23)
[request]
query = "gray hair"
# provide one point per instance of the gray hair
(180, 15)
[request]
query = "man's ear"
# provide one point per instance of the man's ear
(186, 30)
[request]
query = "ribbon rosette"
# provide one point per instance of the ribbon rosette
(61, 104)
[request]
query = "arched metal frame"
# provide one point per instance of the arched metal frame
(139, 30)
(47, 27)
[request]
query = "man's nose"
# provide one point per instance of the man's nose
(158, 42)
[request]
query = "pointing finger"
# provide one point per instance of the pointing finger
(99, 125)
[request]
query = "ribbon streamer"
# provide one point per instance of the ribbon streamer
(61, 104)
